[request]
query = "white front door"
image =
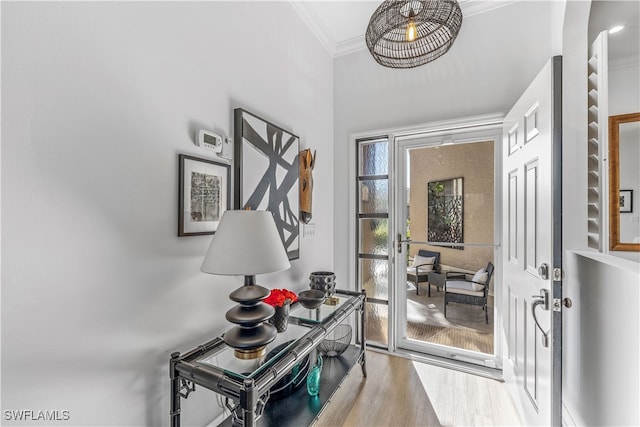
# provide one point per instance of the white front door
(532, 248)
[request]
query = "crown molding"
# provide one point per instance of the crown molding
(471, 8)
(315, 24)
(354, 44)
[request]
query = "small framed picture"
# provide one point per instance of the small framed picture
(626, 201)
(204, 192)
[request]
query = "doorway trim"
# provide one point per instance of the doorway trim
(457, 136)
(466, 129)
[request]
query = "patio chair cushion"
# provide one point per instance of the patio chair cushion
(464, 287)
(420, 260)
(480, 277)
(421, 270)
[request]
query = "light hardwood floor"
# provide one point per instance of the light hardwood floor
(401, 392)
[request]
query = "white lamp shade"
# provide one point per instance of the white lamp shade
(246, 243)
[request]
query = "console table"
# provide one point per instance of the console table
(246, 384)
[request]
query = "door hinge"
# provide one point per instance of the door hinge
(558, 303)
(558, 274)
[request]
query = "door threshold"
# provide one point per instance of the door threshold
(443, 362)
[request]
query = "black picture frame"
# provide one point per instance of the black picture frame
(266, 174)
(207, 183)
(626, 201)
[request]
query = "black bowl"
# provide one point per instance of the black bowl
(311, 298)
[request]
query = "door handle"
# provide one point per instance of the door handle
(541, 300)
(400, 241)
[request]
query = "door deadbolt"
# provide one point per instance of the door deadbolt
(543, 271)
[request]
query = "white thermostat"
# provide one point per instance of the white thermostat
(209, 141)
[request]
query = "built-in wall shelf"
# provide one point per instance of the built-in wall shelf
(597, 141)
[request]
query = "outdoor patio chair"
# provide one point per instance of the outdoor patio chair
(466, 288)
(423, 263)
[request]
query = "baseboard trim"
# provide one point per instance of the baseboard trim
(567, 418)
(218, 420)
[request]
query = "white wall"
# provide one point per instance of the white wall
(602, 384)
(624, 89)
(484, 72)
(601, 378)
(97, 101)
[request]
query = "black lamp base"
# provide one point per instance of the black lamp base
(252, 333)
(250, 354)
(250, 343)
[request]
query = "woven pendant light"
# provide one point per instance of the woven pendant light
(407, 34)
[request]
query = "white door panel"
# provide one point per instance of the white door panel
(529, 130)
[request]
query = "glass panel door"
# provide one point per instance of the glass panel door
(446, 217)
(372, 234)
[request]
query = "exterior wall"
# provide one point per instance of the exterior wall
(98, 99)
(474, 163)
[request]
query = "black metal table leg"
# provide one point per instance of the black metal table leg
(363, 339)
(175, 390)
(248, 403)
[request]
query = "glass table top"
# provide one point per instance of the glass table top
(222, 356)
(317, 315)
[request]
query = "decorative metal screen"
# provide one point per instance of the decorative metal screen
(445, 213)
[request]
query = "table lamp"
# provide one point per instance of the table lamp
(247, 243)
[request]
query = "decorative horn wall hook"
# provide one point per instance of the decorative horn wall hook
(307, 163)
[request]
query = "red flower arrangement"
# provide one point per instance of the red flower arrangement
(280, 297)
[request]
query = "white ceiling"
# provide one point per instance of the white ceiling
(340, 24)
(624, 46)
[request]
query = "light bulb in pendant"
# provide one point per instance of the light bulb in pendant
(412, 31)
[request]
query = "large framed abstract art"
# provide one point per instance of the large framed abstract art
(266, 174)
(204, 194)
(445, 211)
